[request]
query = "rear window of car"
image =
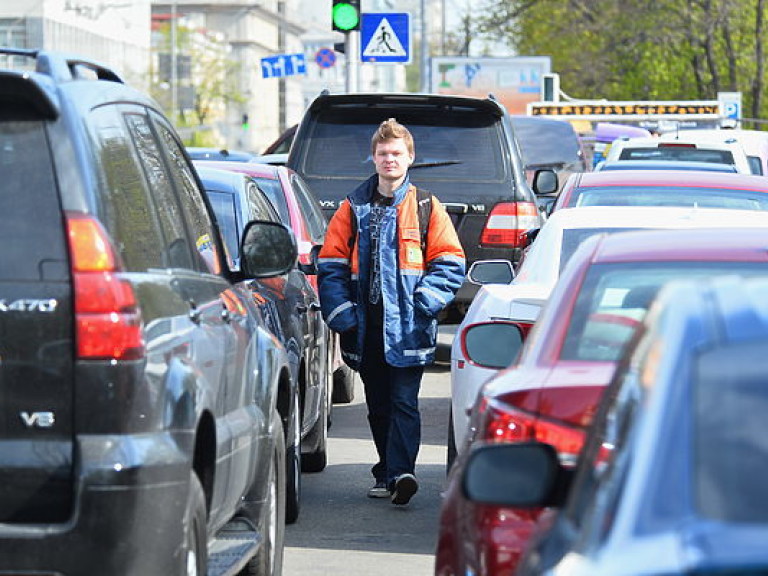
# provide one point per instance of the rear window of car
(614, 298)
(688, 153)
(31, 234)
(669, 196)
(446, 142)
(545, 142)
(730, 447)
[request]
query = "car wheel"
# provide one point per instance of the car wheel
(344, 385)
(451, 443)
(195, 530)
(293, 466)
(317, 460)
(268, 561)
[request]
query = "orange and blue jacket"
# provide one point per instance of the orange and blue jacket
(415, 286)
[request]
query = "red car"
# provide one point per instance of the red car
(664, 188)
(570, 355)
(299, 209)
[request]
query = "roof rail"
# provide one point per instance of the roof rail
(62, 67)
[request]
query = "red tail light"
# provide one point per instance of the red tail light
(108, 323)
(501, 422)
(506, 222)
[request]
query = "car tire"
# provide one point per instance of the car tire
(344, 385)
(268, 561)
(317, 460)
(195, 530)
(293, 466)
(452, 452)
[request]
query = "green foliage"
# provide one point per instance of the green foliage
(640, 49)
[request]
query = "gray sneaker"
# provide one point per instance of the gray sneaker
(405, 487)
(379, 490)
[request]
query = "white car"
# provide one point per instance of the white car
(754, 142)
(673, 147)
(491, 334)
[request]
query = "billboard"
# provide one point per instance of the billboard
(514, 81)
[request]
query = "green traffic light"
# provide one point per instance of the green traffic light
(345, 16)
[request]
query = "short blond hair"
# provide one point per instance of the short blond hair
(391, 129)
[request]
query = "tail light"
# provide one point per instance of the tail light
(506, 224)
(108, 323)
(501, 422)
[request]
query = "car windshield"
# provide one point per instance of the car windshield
(446, 142)
(670, 196)
(615, 297)
(573, 237)
(678, 152)
(730, 451)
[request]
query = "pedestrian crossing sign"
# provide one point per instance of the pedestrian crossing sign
(385, 37)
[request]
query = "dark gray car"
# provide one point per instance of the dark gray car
(139, 430)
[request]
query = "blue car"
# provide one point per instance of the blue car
(672, 479)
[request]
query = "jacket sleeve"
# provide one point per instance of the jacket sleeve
(337, 294)
(445, 261)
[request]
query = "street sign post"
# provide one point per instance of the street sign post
(385, 38)
(283, 65)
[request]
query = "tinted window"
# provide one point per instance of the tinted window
(615, 297)
(446, 142)
(548, 143)
(730, 443)
(669, 196)
(273, 190)
(168, 211)
(126, 210)
(28, 199)
(191, 199)
(226, 214)
(313, 214)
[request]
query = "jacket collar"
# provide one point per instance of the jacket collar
(364, 192)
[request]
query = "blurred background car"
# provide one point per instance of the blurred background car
(754, 143)
(664, 188)
(671, 479)
(659, 148)
(552, 391)
(291, 309)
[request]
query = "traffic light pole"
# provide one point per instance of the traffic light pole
(352, 52)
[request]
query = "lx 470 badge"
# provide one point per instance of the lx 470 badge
(29, 305)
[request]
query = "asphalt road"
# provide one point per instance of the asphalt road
(342, 532)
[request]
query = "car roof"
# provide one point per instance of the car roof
(747, 242)
(676, 178)
(654, 216)
(270, 171)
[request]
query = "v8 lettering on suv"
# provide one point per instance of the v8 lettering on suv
(140, 432)
(466, 155)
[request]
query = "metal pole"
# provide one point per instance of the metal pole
(174, 65)
(352, 52)
(424, 49)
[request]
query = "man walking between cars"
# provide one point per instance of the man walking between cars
(383, 280)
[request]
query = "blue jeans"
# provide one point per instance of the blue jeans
(392, 397)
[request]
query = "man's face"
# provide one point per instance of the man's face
(392, 159)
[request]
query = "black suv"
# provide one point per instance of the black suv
(140, 432)
(466, 154)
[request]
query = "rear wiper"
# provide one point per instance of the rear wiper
(434, 164)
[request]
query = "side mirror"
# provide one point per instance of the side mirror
(545, 181)
(267, 249)
(520, 475)
(491, 272)
(492, 344)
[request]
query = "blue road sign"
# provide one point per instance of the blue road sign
(283, 65)
(325, 57)
(385, 37)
